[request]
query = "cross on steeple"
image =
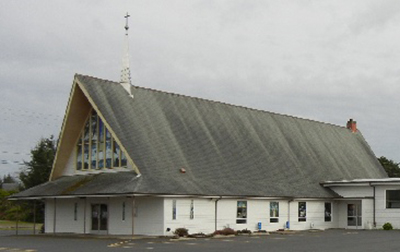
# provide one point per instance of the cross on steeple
(126, 24)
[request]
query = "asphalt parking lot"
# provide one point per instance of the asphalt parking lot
(326, 241)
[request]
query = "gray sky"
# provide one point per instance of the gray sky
(323, 60)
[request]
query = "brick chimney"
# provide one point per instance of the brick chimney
(352, 125)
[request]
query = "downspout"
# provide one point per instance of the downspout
(288, 221)
(216, 212)
(34, 217)
(373, 207)
(84, 216)
(54, 216)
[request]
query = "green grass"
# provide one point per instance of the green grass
(5, 224)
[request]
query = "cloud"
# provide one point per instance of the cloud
(324, 60)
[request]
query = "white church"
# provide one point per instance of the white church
(137, 161)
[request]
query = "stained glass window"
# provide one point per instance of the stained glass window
(192, 209)
(97, 149)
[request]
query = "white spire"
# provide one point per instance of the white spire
(126, 72)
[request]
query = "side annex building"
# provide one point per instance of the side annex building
(136, 161)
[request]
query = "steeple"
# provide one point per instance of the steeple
(126, 72)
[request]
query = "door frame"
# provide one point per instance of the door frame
(99, 225)
(354, 211)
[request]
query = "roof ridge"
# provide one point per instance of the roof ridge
(217, 102)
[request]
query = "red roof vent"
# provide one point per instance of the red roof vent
(352, 125)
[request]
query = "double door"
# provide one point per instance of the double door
(354, 215)
(99, 217)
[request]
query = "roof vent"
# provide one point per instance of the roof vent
(352, 125)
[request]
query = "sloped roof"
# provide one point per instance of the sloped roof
(225, 149)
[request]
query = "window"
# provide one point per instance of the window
(274, 212)
(241, 216)
(192, 209)
(302, 211)
(328, 211)
(392, 198)
(174, 209)
(96, 148)
(123, 210)
(76, 211)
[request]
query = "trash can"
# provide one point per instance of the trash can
(287, 224)
(259, 226)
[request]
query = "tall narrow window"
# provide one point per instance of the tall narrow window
(302, 211)
(328, 211)
(241, 216)
(76, 211)
(96, 148)
(123, 210)
(174, 209)
(192, 209)
(273, 212)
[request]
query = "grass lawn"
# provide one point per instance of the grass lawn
(5, 224)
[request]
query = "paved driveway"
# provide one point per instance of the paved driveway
(325, 241)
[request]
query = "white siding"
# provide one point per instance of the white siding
(65, 221)
(315, 215)
(203, 220)
(149, 217)
(384, 214)
(353, 191)
(153, 215)
(116, 224)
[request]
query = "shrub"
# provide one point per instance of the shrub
(387, 226)
(244, 231)
(181, 232)
(225, 231)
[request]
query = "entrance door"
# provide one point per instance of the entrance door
(99, 217)
(354, 217)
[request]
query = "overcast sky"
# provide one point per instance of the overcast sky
(323, 60)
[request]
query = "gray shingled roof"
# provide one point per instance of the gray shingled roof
(225, 149)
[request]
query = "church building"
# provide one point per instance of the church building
(137, 161)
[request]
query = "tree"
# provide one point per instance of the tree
(39, 168)
(391, 167)
(37, 172)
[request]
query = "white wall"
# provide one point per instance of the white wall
(384, 214)
(153, 215)
(353, 191)
(149, 219)
(203, 219)
(116, 224)
(257, 211)
(65, 221)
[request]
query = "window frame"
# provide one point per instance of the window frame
(273, 216)
(241, 212)
(328, 214)
(388, 204)
(75, 211)
(96, 147)
(174, 210)
(123, 217)
(302, 211)
(191, 213)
